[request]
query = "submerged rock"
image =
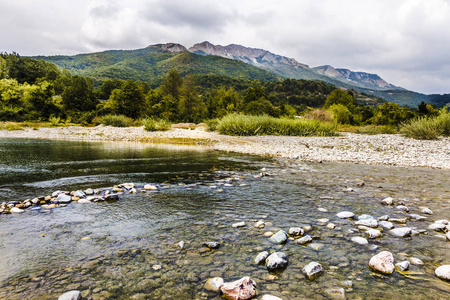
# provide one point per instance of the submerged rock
(304, 240)
(402, 266)
(270, 297)
(279, 237)
(261, 257)
(440, 227)
(72, 295)
(345, 215)
(443, 272)
(387, 201)
(336, 293)
(214, 284)
(367, 222)
(373, 233)
(276, 261)
(426, 211)
(212, 245)
(416, 217)
(383, 262)
(386, 224)
(295, 231)
(242, 289)
(260, 224)
(238, 224)
(312, 270)
(360, 240)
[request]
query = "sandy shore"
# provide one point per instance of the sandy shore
(368, 149)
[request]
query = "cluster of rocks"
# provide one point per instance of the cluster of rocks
(63, 198)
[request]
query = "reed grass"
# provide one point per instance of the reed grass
(117, 121)
(151, 124)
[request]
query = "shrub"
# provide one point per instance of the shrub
(374, 129)
(212, 124)
(443, 122)
(341, 114)
(243, 125)
(117, 121)
(319, 114)
(55, 121)
(422, 129)
(155, 125)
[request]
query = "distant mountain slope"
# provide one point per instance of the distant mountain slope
(152, 63)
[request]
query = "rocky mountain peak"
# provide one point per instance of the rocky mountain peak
(170, 47)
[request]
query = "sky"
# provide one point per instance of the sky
(406, 42)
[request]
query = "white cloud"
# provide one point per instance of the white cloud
(404, 41)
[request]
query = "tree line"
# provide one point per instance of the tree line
(36, 90)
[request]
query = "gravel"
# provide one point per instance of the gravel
(385, 149)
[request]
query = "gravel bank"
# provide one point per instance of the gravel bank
(369, 149)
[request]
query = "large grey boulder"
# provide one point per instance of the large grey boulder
(72, 295)
(277, 261)
(313, 270)
(279, 237)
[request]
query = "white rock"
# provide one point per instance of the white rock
(416, 261)
(270, 297)
(304, 240)
(345, 215)
(437, 227)
(360, 240)
(150, 187)
(402, 266)
(373, 233)
(388, 201)
(367, 222)
(89, 191)
(243, 288)
(331, 226)
(239, 224)
(261, 257)
(313, 270)
(72, 295)
(386, 224)
(443, 272)
(277, 260)
(181, 244)
(383, 262)
(401, 232)
(214, 284)
(427, 211)
(260, 224)
(445, 222)
(296, 231)
(16, 210)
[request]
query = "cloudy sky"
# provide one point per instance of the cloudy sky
(406, 42)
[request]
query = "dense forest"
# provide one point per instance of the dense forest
(33, 89)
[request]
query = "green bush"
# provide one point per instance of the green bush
(341, 114)
(212, 124)
(117, 121)
(244, 125)
(443, 122)
(376, 129)
(421, 128)
(55, 121)
(155, 125)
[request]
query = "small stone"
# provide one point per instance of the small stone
(402, 266)
(373, 233)
(401, 232)
(268, 233)
(150, 187)
(279, 237)
(316, 246)
(360, 240)
(416, 261)
(386, 225)
(416, 217)
(242, 289)
(321, 209)
(426, 211)
(383, 262)
(331, 226)
(439, 227)
(364, 217)
(313, 270)
(260, 224)
(402, 208)
(79, 194)
(270, 297)
(347, 283)
(443, 272)
(384, 218)
(336, 293)
(276, 261)
(398, 220)
(307, 227)
(89, 191)
(345, 215)
(214, 284)
(304, 240)
(295, 231)
(16, 210)
(239, 224)
(323, 220)
(181, 244)
(367, 222)
(387, 201)
(261, 257)
(72, 295)
(63, 198)
(156, 267)
(212, 245)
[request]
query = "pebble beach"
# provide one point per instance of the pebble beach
(381, 149)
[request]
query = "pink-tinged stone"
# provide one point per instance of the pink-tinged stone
(383, 262)
(242, 289)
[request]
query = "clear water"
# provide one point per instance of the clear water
(113, 250)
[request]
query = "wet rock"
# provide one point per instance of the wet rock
(345, 215)
(276, 261)
(365, 217)
(439, 227)
(443, 272)
(360, 240)
(79, 194)
(387, 201)
(111, 197)
(72, 295)
(384, 218)
(323, 220)
(398, 220)
(212, 245)
(331, 226)
(260, 224)
(402, 266)
(239, 224)
(149, 187)
(448, 235)
(261, 257)
(367, 222)
(321, 209)
(402, 208)
(386, 225)
(347, 283)
(313, 270)
(279, 237)
(416, 261)
(89, 191)
(373, 233)
(304, 240)
(336, 293)
(181, 244)
(214, 284)
(401, 232)
(426, 211)
(295, 231)
(383, 262)
(416, 217)
(242, 289)
(63, 198)
(270, 297)
(316, 246)
(16, 210)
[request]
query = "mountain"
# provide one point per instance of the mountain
(152, 63)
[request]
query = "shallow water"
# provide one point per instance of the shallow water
(127, 249)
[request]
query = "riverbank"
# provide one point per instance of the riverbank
(379, 149)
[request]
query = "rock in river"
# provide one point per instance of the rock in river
(383, 262)
(242, 289)
(367, 222)
(276, 261)
(279, 237)
(295, 231)
(212, 245)
(214, 284)
(304, 240)
(360, 240)
(345, 215)
(401, 232)
(261, 257)
(443, 272)
(402, 266)
(72, 295)
(313, 270)
(238, 224)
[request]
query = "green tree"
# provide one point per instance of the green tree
(390, 113)
(345, 98)
(191, 107)
(341, 114)
(129, 100)
(223, 102)
(171, 84)
(79, 96)
(40, 99)
(108, 86)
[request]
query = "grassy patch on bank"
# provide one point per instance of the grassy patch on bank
(426, 128)
(245, 125)
(155, 125)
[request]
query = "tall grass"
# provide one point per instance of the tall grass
(426, 128)
(244, 125)
(155, 125)
(117, 121)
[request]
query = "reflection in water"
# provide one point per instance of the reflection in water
(114, 250)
